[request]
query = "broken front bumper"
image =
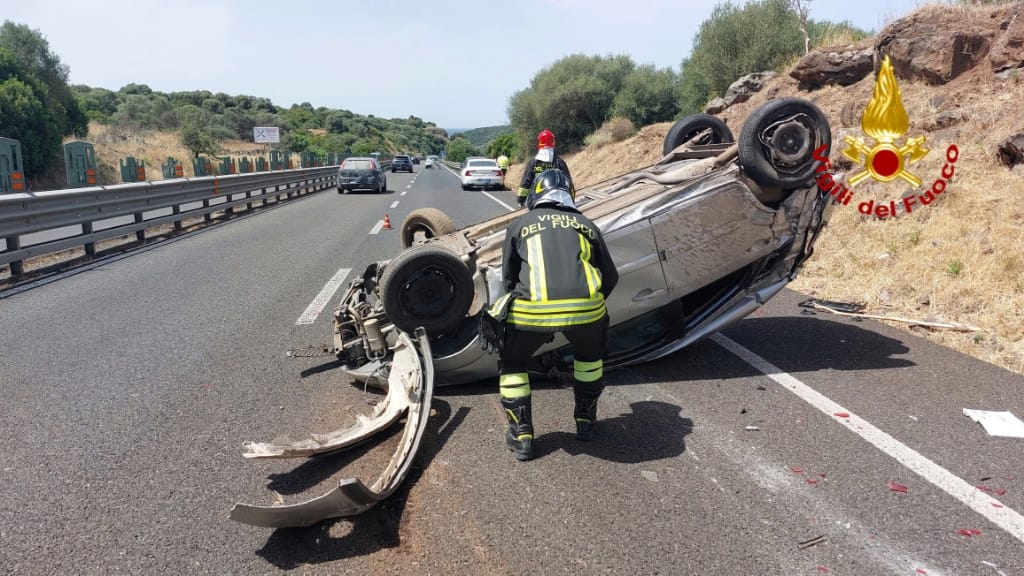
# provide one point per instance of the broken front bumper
(410, 390)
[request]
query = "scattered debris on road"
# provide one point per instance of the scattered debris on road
(841, 309)
(997, 423)
(812, 542)
(897, 487)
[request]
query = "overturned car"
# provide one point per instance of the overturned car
(701, 239)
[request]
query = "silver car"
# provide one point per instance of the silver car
(701, 239)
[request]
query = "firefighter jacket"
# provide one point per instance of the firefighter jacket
(533, 168)
(557, 270)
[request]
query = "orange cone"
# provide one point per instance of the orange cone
(387, 223)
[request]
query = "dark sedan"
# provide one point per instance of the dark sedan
(361, 174)
(401, 162)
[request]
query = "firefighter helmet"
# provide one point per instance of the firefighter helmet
(545, 139)
(551, 187)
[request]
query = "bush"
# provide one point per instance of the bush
(614, 130)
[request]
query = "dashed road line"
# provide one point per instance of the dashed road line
(317, 305)
(376, 227)
(1006, 518)
(404, 192)
(394, 204)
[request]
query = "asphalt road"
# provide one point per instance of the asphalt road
(129, 386)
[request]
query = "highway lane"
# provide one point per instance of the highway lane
(178, 357)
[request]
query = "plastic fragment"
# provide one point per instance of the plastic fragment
(897, 487)
(822, 474)
(968, 532)
(997, 505)
(823, 569)
(795, 470)
(842, 414)
(921, 571)
(751, 428)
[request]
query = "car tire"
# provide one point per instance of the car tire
(464, 187)
(693, 124)
(428, 222)
(341, 190)
(426, 286)
(778, 141)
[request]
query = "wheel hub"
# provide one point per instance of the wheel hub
(428, 293)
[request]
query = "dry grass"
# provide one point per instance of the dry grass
(112, 144)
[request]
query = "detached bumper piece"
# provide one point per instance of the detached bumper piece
(410, 390)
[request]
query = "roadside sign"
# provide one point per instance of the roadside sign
(266, 134)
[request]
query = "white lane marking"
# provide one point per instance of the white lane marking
(507, 207)
(404, 193)
(376, 227)
(394, 204)
(409, 186)
(1006, 518)
(317, 305)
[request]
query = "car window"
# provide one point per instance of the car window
(358, 164)
(479, 163)
(401, 157)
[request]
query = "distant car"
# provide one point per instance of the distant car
(432, 162)
(401, 162)
(361, 173)
(482, 172)
(415, 159)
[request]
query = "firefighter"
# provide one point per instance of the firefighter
(546, 159)
(557, 273)
(503, 164)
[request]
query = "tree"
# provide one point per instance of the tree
(195, 131)
(506, 144)
(37, 107)
(459, 148)
(802, 9)
(647, 96)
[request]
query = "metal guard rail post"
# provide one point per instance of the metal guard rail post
(27, 213)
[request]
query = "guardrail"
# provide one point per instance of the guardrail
(22, 214)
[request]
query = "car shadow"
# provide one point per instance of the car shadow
(373, 530)
(808, 343)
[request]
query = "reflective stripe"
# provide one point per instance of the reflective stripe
(538, 280)
(551, 306)
(588, 371)
(588, 270)
(554, 321)
(515, 385)
(523, 192)
(499, 305)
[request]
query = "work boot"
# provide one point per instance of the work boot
(585, 413)
(520, 426)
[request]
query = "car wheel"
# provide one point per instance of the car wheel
(426, 286)
(464, 187)
(692, 126)
(778, 141)
(425, 223)
(340, 190)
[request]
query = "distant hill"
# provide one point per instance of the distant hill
(481, 136)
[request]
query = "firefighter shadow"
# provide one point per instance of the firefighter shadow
(373, 530)
(653, 431)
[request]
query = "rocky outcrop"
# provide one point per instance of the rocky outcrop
(1011, 150)
(739, 91)
(842, 65)
(937, 45)
(1008, 50)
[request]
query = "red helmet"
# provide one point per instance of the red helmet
(545, 139)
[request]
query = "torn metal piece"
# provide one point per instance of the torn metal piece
(956, 326)
(812, 542)
(412, 377)
(384, 414)
(833, 305)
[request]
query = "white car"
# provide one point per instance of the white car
(482, 172)
(432, 162)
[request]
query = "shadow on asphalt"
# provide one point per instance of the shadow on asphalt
(373, 530)
(808, 343)
(653, 431)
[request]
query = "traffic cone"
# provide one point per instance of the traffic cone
(387, 223)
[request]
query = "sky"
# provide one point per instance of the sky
(455, 63)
